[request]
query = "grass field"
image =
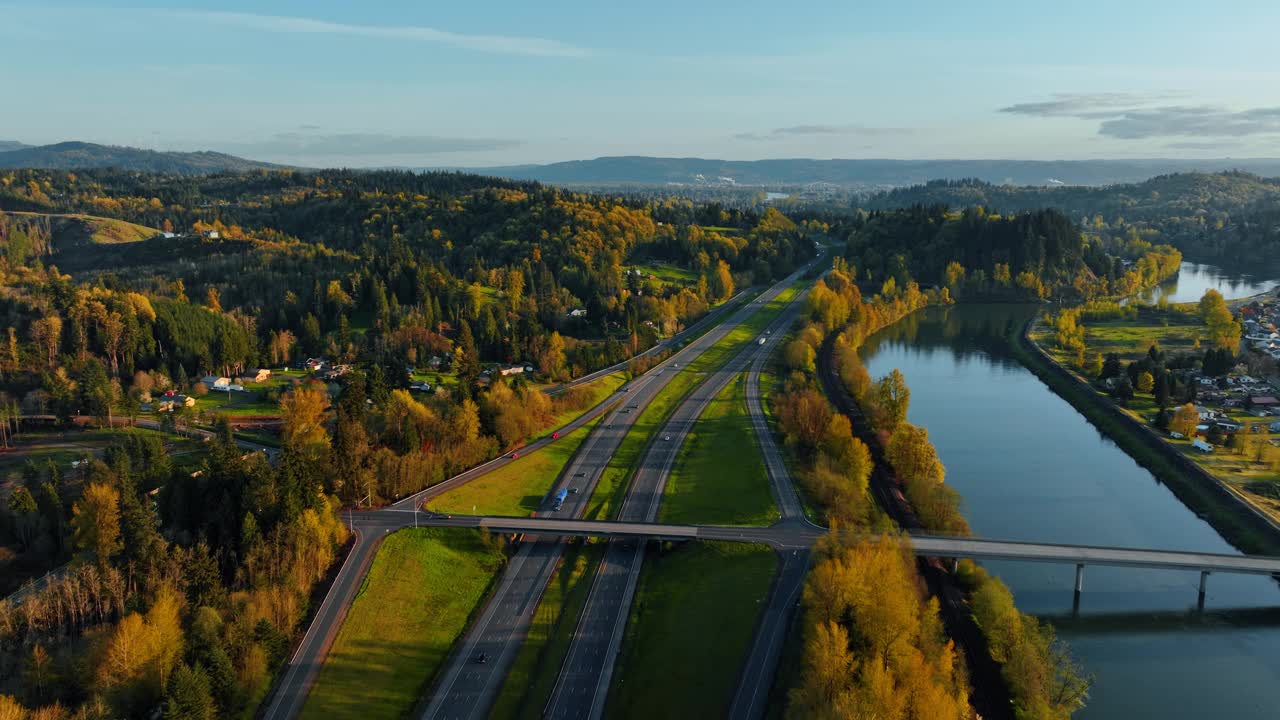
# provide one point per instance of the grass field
(720, 477)
(420, 592)
(532, 676)
(594, 391)
(517, 488)
(1130, 338)
(690, 627)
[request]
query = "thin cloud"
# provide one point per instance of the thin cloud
(1088, 106)
(294, 144)
(1197, 121)
(810, 130)
(504, 44)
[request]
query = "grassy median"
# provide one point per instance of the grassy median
(691, 626)
(720, 476)
(517, 488)
(421, 591)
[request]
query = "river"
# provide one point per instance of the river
(1194, 278)
(1030, 467)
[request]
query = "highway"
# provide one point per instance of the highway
(583, 684)
(370, 527)
(466, 688)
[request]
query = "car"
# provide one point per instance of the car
(555, 436)
(515, 455)
(666, 437)
(573, 491)
(481, 659)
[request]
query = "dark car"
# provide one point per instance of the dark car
(481, 659)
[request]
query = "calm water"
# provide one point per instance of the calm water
(1032, 468)
(1194, 278)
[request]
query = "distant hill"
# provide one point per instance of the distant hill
(863, 173)
(82, 155)
(7, 145)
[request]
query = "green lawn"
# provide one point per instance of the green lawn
(690, 628)
(720, 476)
(422, 589)
(517, 488)
(533, 675)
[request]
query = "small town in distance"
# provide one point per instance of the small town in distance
(710, 361)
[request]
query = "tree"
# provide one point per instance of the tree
(890, 399)
(95, 522)
(189, 696)
(467, 359)
(1146, 382)
(1185, 420)
(302, 411)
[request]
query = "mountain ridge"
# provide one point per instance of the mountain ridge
(78, 155)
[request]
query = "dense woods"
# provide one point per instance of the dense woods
(1031, 256)
(1229, 216)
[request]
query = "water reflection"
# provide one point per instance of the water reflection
(1194, 278)
(1030, 467)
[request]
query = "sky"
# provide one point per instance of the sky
(472, 84)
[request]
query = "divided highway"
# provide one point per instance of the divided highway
(467, 688)
(370, 527)
(583, 684)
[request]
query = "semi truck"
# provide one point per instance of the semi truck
(558, 501)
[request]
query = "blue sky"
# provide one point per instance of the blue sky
(488, 83)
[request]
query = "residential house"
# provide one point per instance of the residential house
(168, 403)
(214, 382)
(258, 375)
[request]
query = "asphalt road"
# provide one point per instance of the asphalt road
(756, 678)
(370, 527)
(468, 688)
(583, 684)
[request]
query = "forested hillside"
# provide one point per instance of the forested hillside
(975, 254)
(1233, 216)
(81, 155)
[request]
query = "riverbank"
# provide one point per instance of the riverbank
(1239, 522)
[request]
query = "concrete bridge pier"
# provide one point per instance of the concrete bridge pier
(1075, 604)
(1204, 579)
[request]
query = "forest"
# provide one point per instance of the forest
(1031, 256)
(1229, 216)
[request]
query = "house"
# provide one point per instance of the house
(214, 382)
(434, 361)
(578, 312)
(1201, 445)
(314, 363)
(258, 375)
(420, 386)
(212, 234)
(1229, 425)
(512, 370)
(170, 402)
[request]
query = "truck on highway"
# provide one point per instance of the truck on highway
(558, 501)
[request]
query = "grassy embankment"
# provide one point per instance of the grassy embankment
(611, 488)
(1131, 337)
(518, 488)
(720, 476)
(690, 626)
(421, 591)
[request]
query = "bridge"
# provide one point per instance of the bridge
(799, 535)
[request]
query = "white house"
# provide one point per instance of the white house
(512, 370)
(214, 382)
(578, 312)
(1201, 445)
